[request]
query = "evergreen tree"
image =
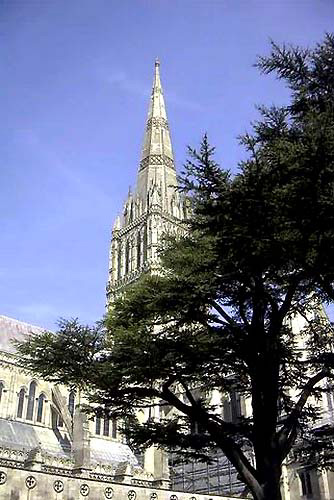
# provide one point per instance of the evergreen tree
(256, 254)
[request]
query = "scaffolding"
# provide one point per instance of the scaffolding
(217, 477)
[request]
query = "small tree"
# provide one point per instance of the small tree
(256, 254)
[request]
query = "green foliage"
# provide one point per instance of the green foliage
(255, 256)
(65, 357)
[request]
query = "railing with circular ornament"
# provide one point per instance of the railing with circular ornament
(30, 482)
(109, 492)
(3, 477)
(84, 490)
(132, 495)
(58, 486)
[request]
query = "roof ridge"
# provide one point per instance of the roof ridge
(14, 320)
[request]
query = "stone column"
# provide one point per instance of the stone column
(323, 485)
(81, 440)
(156, 463)
(285, 487)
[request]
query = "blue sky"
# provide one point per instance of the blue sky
(76, 77)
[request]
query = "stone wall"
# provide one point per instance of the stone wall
(23, 484)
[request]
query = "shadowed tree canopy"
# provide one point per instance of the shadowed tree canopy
(256, 254)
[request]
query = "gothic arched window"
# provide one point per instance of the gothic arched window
(40, 407)
(106, 426)
(172, 206)
(2, 386)
(127, 257)
(71, 403)
(119, 263)
(138, 251)
(20, 403)
(145, 245)
(98, 425)
(131, 212)
(31, 401)
(185, 210)
(114, 428)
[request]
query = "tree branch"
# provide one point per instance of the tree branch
(188, 393)
(287, 433)
(172, 399)
(139, 392)
(219, 432)
(237, 457)
(169, 382)
(283, 310)
(223, 313)
(243, 314)
(327, 287)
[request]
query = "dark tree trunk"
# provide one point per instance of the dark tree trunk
(272, 491)
(269, 489)
(271, 482)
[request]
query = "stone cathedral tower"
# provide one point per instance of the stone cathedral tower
(153, 208)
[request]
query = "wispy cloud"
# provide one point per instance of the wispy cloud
(46, 314)
(38, 310)
(184, 103)
(31, 137)
(120, 79)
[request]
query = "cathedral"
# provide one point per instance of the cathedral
(48, 447)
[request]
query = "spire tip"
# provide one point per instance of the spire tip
(157, 62)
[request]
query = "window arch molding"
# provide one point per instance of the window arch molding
(2, 389)
(40, 407)
(97, 425)
(139, 243)
(127, 256)
(71, 402)
(145, 243)
(106, 426)
(21, 395)
(31, 400)
(119, 261)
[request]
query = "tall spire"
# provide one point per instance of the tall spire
(153, 208)
(157, 138)
(157, 160)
